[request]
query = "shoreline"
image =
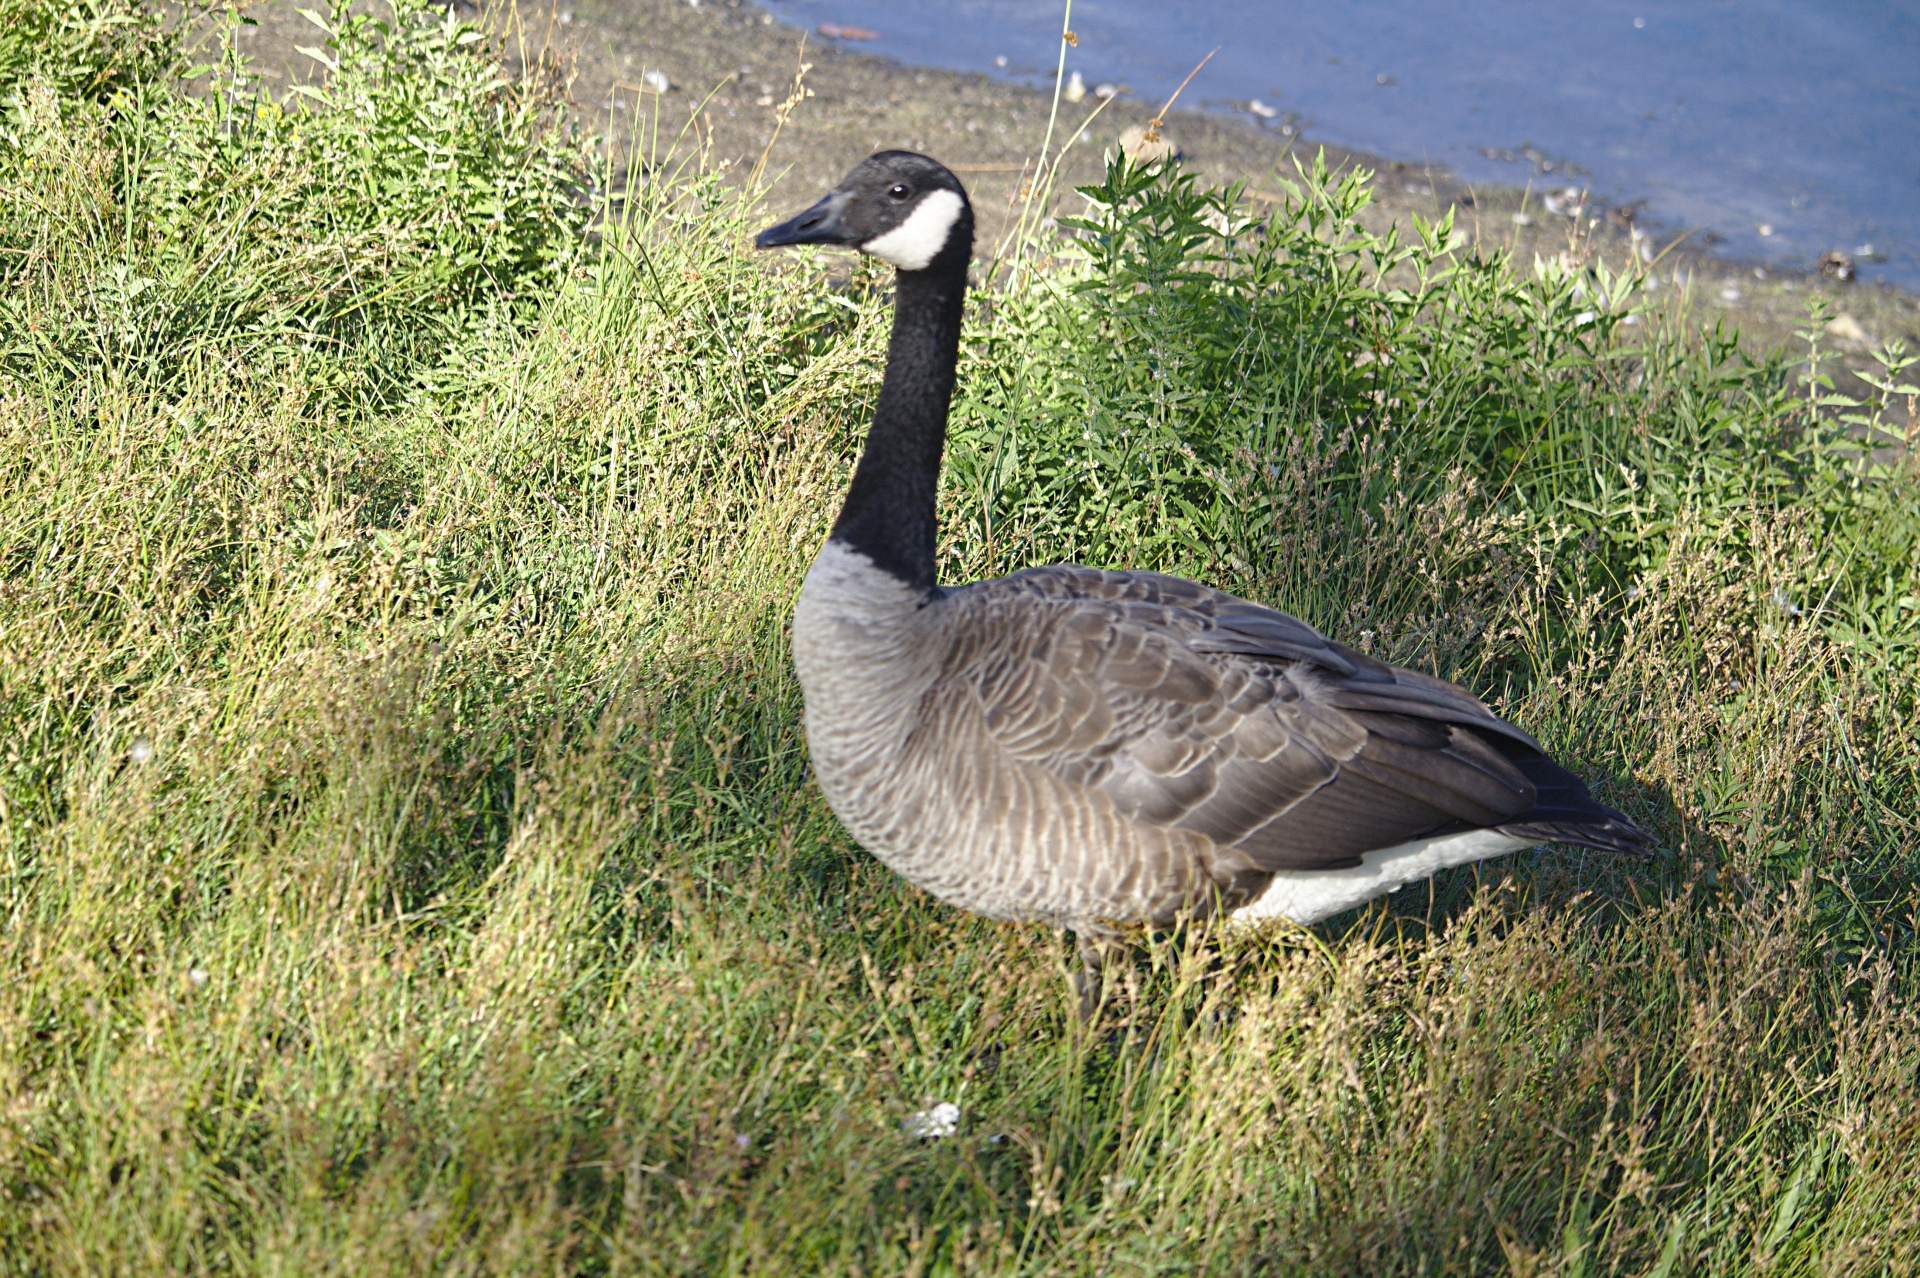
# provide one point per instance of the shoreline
(740, 58)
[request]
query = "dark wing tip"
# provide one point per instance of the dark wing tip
(1614, 834)
(1565, 811)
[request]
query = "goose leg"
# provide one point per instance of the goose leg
(1089, 981)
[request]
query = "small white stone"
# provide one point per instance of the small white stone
(934, 1124)
(1143, 150)
(1846, 328)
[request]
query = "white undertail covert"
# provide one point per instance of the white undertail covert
(1307, 896)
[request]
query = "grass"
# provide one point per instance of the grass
(409, 861)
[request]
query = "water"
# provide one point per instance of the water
(1801, 117)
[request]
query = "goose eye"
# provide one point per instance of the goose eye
(899, 191)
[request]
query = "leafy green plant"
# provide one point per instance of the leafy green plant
(85, 49)
(354, 230)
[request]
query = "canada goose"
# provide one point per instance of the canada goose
(1086, 746)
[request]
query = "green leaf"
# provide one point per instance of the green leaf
(1670, 1251)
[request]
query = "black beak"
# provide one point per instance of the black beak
(820, 224)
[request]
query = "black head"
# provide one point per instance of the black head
(900, 207)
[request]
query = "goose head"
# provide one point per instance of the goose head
(902, 208)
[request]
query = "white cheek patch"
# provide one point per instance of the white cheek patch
(919, 239)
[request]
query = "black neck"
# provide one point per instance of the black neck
(889, 511)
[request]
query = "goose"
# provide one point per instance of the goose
(1093, 747)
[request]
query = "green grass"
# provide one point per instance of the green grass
(410, 863)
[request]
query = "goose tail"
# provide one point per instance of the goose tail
(1567, 812)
